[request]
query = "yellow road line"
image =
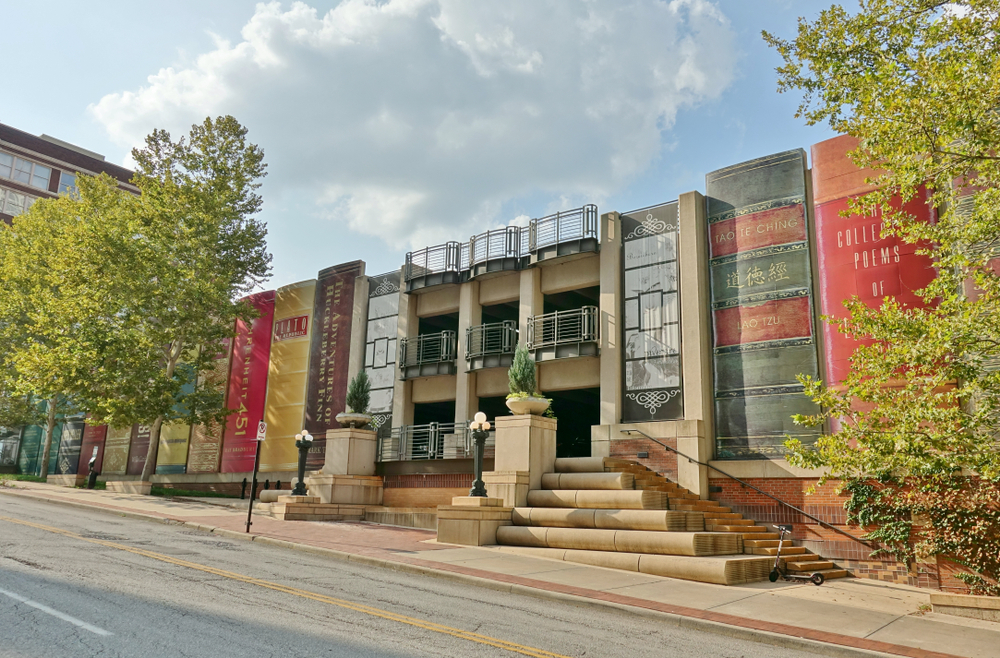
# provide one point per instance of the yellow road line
(294, 591)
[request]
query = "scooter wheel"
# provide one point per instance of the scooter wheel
(817, 579)
(773, 576)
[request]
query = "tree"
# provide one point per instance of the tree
(182, 260)
(48, 336)
(918, 83)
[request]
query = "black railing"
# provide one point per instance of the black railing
(429, 348)
(487, 339)
(562, 327)
(508, 242)
(429, 441)
(750, 486)
(576, 224)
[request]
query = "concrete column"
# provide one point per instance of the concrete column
(470, 314)
(610, 310)
(697, 439)
(525, 450)
(532, 302)
(407, 326)
(359, 326)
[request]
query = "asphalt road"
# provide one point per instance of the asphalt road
(119, 587)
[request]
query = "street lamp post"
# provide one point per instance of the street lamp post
(303, 441)
(480, 430)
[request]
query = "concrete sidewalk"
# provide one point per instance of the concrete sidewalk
(849, 617)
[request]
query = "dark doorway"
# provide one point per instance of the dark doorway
(576, 412)
(494, 407)
(500, 312)
(573, 299)
(434, 412)
(438, 323)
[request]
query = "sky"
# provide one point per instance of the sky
(391, 125)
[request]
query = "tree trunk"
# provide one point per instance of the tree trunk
(154, 448)
(50, 426)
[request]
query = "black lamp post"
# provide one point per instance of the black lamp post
(480, 430)
(303, 442)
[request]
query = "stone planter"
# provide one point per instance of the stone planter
(353, 420)
(529, 405)
(967, 605)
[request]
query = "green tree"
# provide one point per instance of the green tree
(918, 83)
(182, 261)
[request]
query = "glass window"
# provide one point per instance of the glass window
(67, 182)
(22, 171)
(40, 177)
(14, 204)
(6, 165)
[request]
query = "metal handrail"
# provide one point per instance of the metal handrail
(560, 327)
(761, 492)
(493, 338)
(428, 348)
(575, 224)
(426, 442)
(507, 242)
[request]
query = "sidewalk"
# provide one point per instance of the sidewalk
(852, 617)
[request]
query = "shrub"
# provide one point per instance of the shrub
(521, 375)
(359, 393)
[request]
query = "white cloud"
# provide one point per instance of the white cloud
(417, 120)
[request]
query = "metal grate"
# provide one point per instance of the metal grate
(495, 338)
(430, 441)
(429, 348)
(562, 327)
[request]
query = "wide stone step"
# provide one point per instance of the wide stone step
(593, 481)
(723, 516)
(735, 528)
(721, 570)
(580, 465)
(759, 543)
(609, 519)
(588, 499)
(621, 541)
(758, 536)
(830, 574)
(785, 550)
(810, 566)
(802, 557)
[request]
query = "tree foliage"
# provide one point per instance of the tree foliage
(918, 83)
(359, 393)
(521, 374)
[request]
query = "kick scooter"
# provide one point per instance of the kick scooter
(815, 578)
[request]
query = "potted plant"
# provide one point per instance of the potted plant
(358, 397)
(524, 397)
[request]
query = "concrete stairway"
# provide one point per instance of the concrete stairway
(619, 514)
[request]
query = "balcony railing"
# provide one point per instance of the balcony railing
(576, 224)
(564, 333)
(506, 248)
(430, 354)
(490, 345)
(430, 441)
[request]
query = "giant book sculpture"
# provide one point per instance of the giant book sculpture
(761, 294)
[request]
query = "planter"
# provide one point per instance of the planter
(529, 405)
(967, 605)
(129, 486)
(353, 420)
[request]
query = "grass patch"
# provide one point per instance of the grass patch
(164, 491)
(17, 477)
(98, 486)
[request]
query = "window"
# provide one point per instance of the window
(40, 177)
(25, 171)
(22, 171)
(15, 203)
(67, 183)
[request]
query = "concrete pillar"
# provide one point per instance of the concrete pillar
(525, 450)
(610, 310)
(532, 302)
(695, 438)
(359, 326)
(470, 314)
(407, 326)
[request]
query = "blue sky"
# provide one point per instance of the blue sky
(392, 125)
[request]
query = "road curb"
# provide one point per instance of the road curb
(680, 620)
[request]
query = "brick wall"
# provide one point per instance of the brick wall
(660, 460)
